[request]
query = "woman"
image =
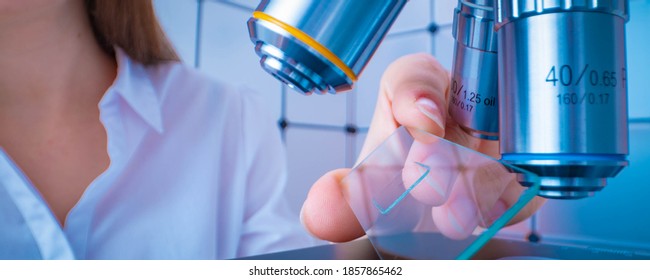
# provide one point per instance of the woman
(115, 150)
(136, 155)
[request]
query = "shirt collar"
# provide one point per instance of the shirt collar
(135, 86)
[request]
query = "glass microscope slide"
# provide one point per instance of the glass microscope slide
(433, 200)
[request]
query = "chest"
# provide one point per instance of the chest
(132, 211)
(59, 160)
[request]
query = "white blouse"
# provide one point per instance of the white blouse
(197, 172)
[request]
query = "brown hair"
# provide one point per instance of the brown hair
(131, 25)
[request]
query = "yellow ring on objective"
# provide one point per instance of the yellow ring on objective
(302, 36)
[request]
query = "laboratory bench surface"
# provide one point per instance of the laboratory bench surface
(421, 246)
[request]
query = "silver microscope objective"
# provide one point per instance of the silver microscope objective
(473, 93)
(319, 46)
(563, 92)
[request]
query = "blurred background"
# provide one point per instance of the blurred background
(323, 133)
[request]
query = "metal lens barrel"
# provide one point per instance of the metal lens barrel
(320, 46)
(473, 97)
(563, 91)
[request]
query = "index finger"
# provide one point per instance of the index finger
(413, 94)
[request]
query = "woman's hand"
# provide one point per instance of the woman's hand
(414, 93)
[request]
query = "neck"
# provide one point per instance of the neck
(49, 58)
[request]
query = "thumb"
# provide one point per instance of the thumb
(326, 213)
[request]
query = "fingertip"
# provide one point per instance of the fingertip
(434, 113)
(533, 206)
(422, 110)
(422, 185)
(457, 219)
(417, 87)
(326, 214)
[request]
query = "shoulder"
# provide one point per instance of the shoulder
(190, 96)
(178, 82)
(181, 88)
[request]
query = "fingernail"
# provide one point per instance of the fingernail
(497, 211)
(431, 110)
(463, 215)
